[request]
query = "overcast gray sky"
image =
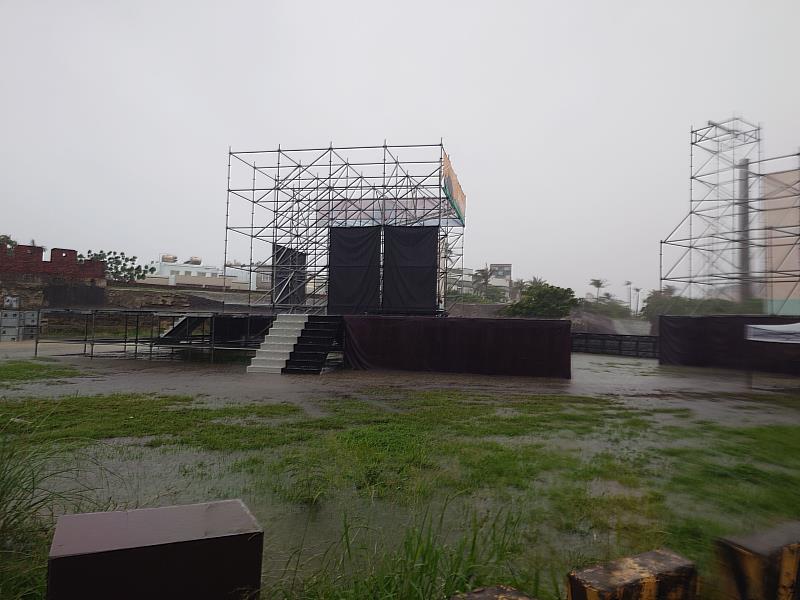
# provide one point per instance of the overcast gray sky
(567, 121)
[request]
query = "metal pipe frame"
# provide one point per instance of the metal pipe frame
(721, 248)
(291, 197)
(146, 339)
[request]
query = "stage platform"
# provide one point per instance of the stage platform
(530, 347)
(537, 348)
(719, 341)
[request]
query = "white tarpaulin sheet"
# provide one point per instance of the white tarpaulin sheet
(784, 334)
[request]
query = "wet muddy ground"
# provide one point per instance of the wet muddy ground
(716, 394)
(655, 455)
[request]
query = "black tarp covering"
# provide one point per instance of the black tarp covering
(68, 295)
(539, 348)
(290, 275)
(409, 269)
(719, 341)
(354, 270)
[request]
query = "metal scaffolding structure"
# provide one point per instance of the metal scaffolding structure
(281, 204)
(740, 236)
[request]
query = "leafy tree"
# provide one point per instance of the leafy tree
(607, 306)
(119, 267)
(599, 284)
(540, 299)
(7, 240)
(480, 284)
(668, 290)
(516, 288)
(666, 302)
(494, 294)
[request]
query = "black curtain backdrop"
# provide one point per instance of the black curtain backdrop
(290, 275)
(354, 270)
(538, 348)
(409, 269)
(719, 341)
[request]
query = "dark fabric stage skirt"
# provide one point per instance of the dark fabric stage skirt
(538, 348)
(719, 341)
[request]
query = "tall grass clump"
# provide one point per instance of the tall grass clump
(33, 492)
(25, 518)
(431, 562)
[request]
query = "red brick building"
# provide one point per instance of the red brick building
(63, 263)
(62, 280)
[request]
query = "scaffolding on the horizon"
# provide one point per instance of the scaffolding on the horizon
(740, 240)
(281, 204)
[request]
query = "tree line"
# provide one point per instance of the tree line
(538, 298)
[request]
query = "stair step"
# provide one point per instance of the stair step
(280, 338)
(322, 325)
(301, 370)
(298, 344)
(291, 318)
(315, 339)
(274, 351)
(317, 334)
(305, 361)
(278, 346)
(263, 352)
(259, 369)
(308, 355)
(264, 361)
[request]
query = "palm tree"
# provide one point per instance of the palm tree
(536, 281)
(480, 281)
(599, 284)
(516, 288)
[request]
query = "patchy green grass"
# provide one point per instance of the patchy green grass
(16, 371)
(169, 419)
(582, 479)
(429, 562)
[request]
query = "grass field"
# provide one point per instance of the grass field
(394, 494)
(15, 371)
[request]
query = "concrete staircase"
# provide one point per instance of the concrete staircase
(278, 344)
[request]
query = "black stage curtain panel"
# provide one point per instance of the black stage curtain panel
(354, 277)
(719, 341)
(537, 348)
(409, 269)
(290, 275)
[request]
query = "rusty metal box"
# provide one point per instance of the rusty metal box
(198, 551)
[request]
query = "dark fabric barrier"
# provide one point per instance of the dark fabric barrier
(66, 295)
(539, 348)
(719, 341)
(290, 275)
(354, 276)
(409, 269)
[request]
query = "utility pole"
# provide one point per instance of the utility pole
(743, 197)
